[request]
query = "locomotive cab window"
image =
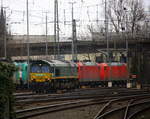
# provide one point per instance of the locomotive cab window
(35, 69)
(51, 69)
(26, 68)
(45, 69)
(57, 72)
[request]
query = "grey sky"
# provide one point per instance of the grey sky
(85, 11)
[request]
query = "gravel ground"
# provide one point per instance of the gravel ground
(145, 115)
(87, 112)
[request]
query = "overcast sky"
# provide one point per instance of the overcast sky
(85, 12)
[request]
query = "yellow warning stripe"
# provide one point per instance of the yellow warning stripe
(40, 77)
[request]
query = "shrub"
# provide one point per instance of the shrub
(6, 91)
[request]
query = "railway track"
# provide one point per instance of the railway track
(27, 113)
(127, 108)
(76, 95)
(23, 94)
(76, 91)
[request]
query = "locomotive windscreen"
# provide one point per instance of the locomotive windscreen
(35, 69)
(41, 68)
(45, 69)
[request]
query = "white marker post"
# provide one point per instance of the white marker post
(129, 84)
(109, 84)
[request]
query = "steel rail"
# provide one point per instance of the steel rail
(24, 95)
(127, 109)
(53, 108)
(123, 109)
(62, 106)
(134, 97)
(139, 111)
(40, 98)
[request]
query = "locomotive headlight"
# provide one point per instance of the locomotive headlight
(33, 77)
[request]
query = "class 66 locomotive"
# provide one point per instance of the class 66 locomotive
(51, 75)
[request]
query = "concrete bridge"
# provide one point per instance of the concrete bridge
(18, 45)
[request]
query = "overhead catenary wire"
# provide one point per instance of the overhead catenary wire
(35, 14)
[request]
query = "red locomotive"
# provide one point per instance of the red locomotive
(88, 73)
(100, 73)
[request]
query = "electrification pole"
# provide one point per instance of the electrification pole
(56, 29)
(64, 17)
(126, 38)
(106, 29)
(55, 2)
(28, 43)
(46, 51)
(73, 38)
(107, 40)
(5, 35)
(97, 14)
(57, 19)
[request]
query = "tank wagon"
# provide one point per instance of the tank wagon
(51, 75)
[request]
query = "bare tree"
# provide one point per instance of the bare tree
(126, 15)
(136, 15)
